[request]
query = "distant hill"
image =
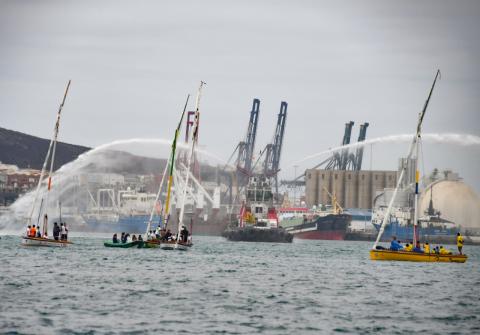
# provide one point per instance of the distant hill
(27, 151)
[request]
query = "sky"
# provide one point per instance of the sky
(132, 63)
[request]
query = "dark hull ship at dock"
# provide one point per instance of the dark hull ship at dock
(329, 227)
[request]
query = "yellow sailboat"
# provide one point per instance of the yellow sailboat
(379, 253)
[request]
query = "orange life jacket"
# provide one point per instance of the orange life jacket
(33, 232)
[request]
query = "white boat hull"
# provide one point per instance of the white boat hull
(172, 245)
(182, 247)
(43, 242)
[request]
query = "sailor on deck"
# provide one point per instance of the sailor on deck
(395, 245)
(417, 248)
(27, 233)
(459, 243)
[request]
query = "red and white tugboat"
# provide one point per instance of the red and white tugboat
(258, 220)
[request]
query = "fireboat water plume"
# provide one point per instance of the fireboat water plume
(64, 179)
(447, 138)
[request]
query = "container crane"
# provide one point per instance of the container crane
(271, 165)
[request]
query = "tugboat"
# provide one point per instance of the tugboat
(258, 220)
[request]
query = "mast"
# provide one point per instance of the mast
(44, 166)
(52, 160)
(192, 151)
(172, 164)
(417, 147)
(413, 146)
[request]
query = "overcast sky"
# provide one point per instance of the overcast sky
(133, 62)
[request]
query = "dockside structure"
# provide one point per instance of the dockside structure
(353, 189)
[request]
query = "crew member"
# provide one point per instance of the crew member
(115, 238)
(444, 251)
(426, 248)
(63, 231)
(395, 245)
(459, 243)
(27, 233)
(184, 234)
(417, 248)
(33, 231)
(56, 231)
(408, 247)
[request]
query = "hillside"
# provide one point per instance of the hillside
(27, 151)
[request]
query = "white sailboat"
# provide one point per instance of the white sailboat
(44, 239)
(381, 253)
(184, 242)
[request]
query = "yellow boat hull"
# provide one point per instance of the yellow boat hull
(409, 256)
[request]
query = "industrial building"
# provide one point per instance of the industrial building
(353, 189)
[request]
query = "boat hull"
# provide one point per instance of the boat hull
(182, 246)
(329, 227)
(409, 256)
(110, 244)
(44, 242)
(250, 234)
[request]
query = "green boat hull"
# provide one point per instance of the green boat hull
(110, 244)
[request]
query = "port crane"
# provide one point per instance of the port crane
(271, 165)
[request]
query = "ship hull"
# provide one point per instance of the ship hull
(329, 227)
(405, 233)
(250, 234)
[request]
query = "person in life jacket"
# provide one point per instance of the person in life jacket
(444, 251)
(408, 247)
(459, 243)
(27, 233)
(426, 248)
(33, 231)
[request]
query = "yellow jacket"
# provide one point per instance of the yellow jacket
(426, 248)
(444, 251)
(459, 241)
(408, 248)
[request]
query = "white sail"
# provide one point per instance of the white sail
(414, 145)
(192, 150)
(52, 145)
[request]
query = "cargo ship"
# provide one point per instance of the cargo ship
(400, 223)
(326, 223)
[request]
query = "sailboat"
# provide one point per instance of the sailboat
(184, 242)
(44, 240)
(155, 242)
(381, 253)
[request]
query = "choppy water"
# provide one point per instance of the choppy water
(222, 287)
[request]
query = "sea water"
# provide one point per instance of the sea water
(221, 287)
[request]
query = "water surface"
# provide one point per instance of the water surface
(220, 287)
